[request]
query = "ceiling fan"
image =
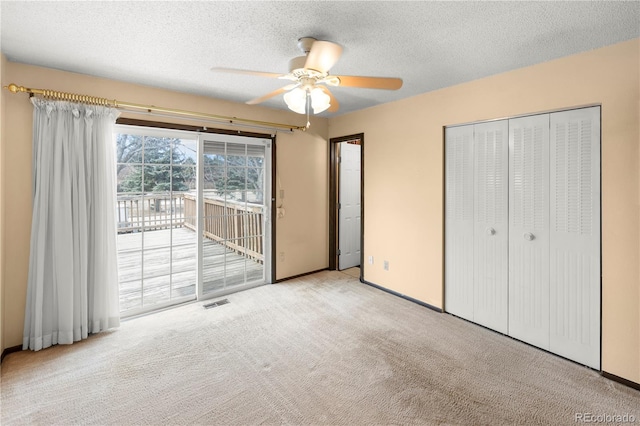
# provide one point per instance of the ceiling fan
(310, 76)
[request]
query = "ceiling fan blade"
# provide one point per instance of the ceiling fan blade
(248, 72)
(323, 55)
(335, 105)
(386, 83)
(268, 96)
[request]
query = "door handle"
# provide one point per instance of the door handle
(491, 231)
(529, 236)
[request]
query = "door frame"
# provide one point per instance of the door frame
(334, 194)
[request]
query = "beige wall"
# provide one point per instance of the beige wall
(301, 159)
(404, 178)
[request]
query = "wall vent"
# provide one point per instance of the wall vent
(216, 304)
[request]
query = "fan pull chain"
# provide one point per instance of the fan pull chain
(307, 103)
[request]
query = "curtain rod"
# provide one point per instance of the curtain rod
(73, 97)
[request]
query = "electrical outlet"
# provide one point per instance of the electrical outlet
(282, 194)
(386, 265)
(281, 255)
(370, 260)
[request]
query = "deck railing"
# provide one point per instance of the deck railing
(151, 212)
(237, 225)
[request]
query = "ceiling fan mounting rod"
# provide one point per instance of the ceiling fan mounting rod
(307, 83)
(305, 43)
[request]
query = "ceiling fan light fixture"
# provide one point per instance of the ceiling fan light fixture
(320, 101)
(296, 100)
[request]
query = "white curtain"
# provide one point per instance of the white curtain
(73, 274)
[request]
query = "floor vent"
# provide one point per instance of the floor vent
(217, 303)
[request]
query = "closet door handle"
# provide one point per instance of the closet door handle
(491, 231)
(529, 236)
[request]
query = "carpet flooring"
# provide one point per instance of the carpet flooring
(321, 349)
(353, 272)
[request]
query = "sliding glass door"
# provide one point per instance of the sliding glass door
(174, 186)
(235, 204)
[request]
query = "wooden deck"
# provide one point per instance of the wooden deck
(171, 274)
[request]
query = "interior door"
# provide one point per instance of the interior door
(235, 201)
(349, 228)
(459, 225)
(575, 235)
(529, 229)
(491, 225)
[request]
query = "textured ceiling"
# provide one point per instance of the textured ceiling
(430, 45)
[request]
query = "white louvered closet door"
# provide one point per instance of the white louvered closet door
(575, 235)
(459, 221)
(529, 229)
(491, 225)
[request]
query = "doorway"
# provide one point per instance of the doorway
(346, 216)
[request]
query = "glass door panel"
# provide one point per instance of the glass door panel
(234, 213)
(156, 211)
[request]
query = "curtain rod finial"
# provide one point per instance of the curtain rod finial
(14, 88)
